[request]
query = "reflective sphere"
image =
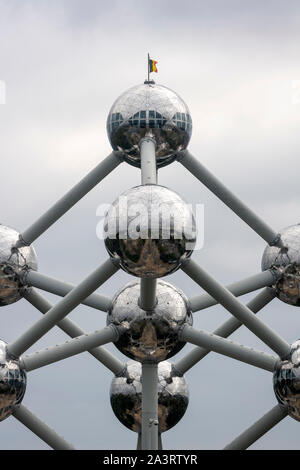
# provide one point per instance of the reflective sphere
(151, 109)
(126, 396)
(287, 260)
(286, 381)
(12, 383)
(150, 231)
(11, 263)
(151, 336)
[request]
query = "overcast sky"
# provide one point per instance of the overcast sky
(236, 65)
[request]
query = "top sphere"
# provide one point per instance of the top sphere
(155, 110)
(287, 260)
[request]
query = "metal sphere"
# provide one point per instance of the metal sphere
(150, 231)
(287, 260)
(12, 262)
(126, 396)
(151, 336)
(152, 109)
(12, 383)
(286, 381)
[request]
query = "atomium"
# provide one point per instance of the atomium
(153, 110)
(126, 396)
(150, 231)
(286, 381)
(287, 261)
(12, 383)
(12, 262)
(151, 336)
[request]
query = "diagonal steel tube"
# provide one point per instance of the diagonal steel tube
(258, 429)
(249, 284)
(62, 308)
(226, 329)
(54, 286)
(41, 429)
(70, 348)
(223, 193)
(66, 325)
(70, 198)
(237, 308)
(228, 348)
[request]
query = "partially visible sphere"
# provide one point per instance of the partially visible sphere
(154, 110)
(126, 396)
(150, 231)
(286, 381)
(287, 260)
(12, 262)
(150, 336)
(12, 383)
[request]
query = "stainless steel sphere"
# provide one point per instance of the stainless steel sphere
(126, 396)
(13, 262)
(286, 381)
(153, 109)
(151, 336)
(150, 231)
(12, 383)
(287, 260)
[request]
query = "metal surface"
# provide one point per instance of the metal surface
(12, 262)
(223, 193)
(250, 284)
(70, 198)
(152, 336)
(105, 357)
(12, 383)
(225, 330)
(149, 109)
(287, 260)
(239, 310)
(150, 231)
(54, 286)
(286, 381)
(62, 308)
(228, 348)
(70, 348)
(41, 429)
(126, 396)
(258, 429)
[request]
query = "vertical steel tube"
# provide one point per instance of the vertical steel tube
(148, 294)
(149, 176)
(149, 407)
(148, 160)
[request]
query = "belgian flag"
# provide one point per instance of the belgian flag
(152, 66)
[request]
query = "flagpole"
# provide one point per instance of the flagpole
(148, 67)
